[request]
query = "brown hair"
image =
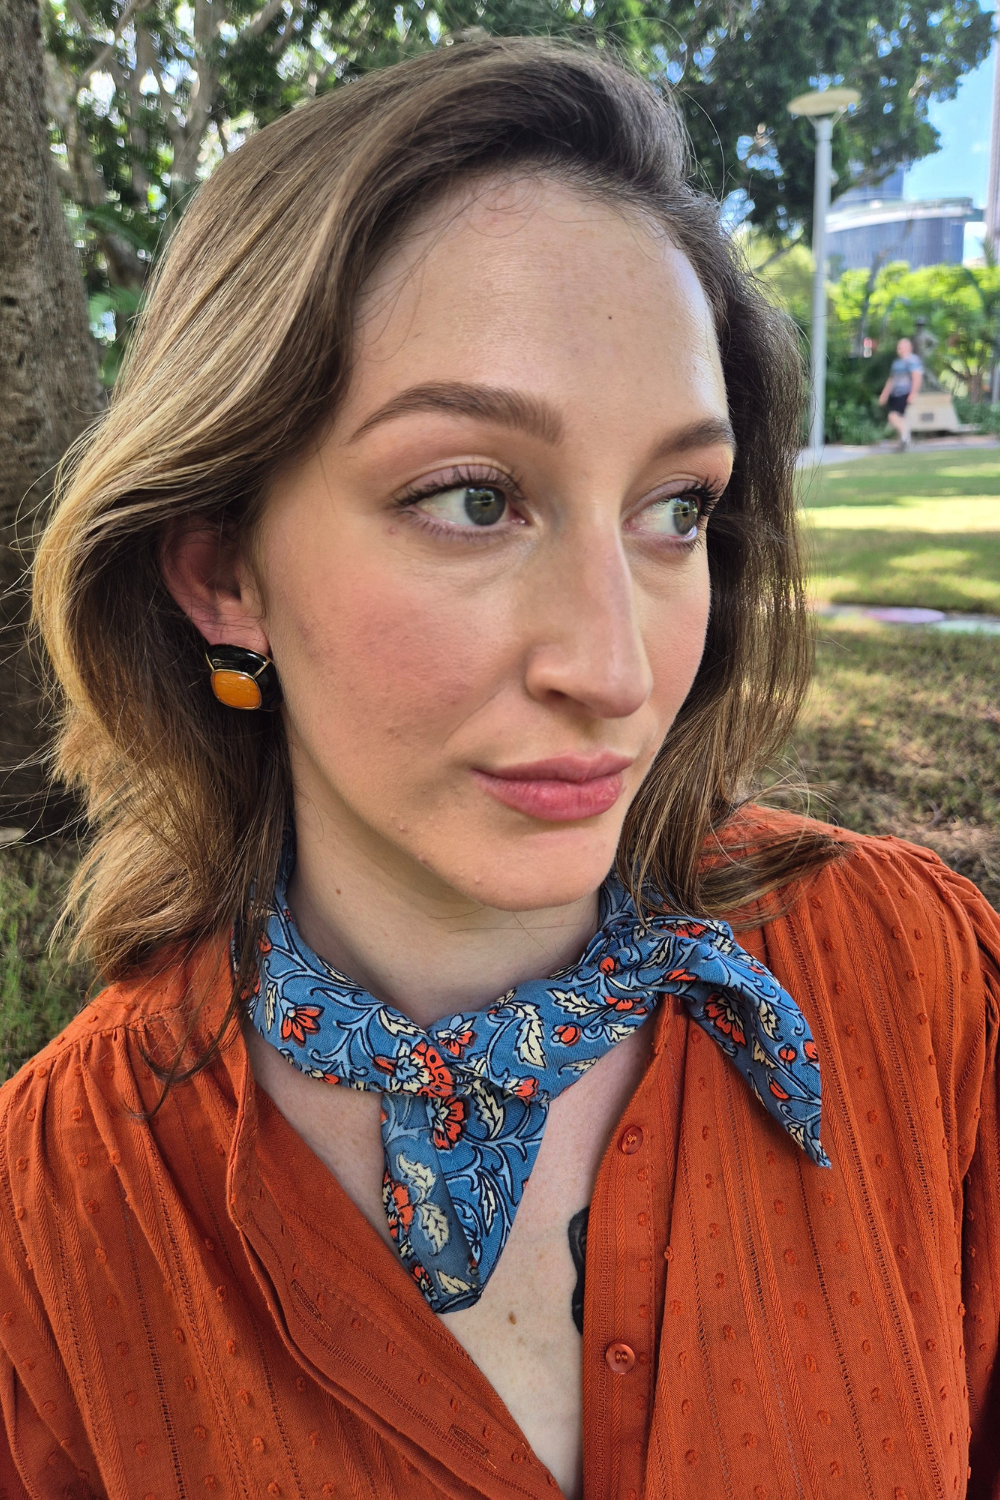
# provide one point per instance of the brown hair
(243, 350)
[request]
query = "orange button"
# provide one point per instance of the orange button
(620, 1358)
(630, 1139)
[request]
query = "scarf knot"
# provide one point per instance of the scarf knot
(465, 1101)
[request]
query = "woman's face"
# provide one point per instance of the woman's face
(486, 587)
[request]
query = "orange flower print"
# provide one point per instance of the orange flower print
(690, 929)
(447, 1117)
(264, 943)
(297, 1020)
(725, 1019)
(568, 1035)
(777, 1090)
(809, 1050)
(607, 966)
(398, 1206)
(787, 1053)
(419, 1069)
(422, 1279)
(525, 1088)
(455, 1042)
(625, 1003)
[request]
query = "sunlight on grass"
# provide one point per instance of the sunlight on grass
(936, 560)
(887, 477)
(936, 513)
(970, 471)
(874, 530)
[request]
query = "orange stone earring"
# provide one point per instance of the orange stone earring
(243, 679)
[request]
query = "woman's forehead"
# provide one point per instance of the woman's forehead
(536, 285)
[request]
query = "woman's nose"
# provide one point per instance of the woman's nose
(585, 641)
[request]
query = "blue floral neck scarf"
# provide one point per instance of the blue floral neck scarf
(465, 1101)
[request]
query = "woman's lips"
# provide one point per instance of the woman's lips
(561, 790)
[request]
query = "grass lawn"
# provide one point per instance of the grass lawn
(901, 734)
(917, 528)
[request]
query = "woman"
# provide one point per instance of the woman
(437, 558)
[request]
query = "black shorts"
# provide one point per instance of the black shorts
(898, 404)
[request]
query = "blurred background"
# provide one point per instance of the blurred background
(112, 112)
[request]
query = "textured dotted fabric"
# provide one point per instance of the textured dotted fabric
(186, 1310)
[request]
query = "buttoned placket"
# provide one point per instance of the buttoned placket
(395, 1371)
(626, 1275)
(355, 1322)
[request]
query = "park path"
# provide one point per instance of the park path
(838, 453)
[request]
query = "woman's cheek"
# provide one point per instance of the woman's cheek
(379, 669)
(674, 631)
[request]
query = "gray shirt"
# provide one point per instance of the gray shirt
(902, 373)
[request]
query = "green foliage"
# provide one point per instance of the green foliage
(784, 270)
(39, 991)
(852, 422)
(852, 391)
(983, 417)
(111, 315)
(752, 59)
(146, 98)
(960, 306)
(869, 311)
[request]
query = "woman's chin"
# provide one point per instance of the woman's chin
(555, 867)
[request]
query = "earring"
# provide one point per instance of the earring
(243, 679)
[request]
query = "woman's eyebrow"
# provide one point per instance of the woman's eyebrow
(488, 403)
(531, 414)
(708, 432)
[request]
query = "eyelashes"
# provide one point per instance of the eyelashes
(479, 476)
(484, 478)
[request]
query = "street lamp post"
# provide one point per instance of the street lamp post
(823, 107)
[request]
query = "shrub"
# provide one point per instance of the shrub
(852, 391)
(982, 416)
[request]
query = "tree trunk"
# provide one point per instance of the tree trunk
(49, 389)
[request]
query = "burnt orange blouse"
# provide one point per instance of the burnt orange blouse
(191, 1306)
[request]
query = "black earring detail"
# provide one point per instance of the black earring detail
(243, 679)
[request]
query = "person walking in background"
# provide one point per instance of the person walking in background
(905, 377)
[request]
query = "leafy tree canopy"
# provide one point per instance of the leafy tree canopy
(146, 97)
(959, 309)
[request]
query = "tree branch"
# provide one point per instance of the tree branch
(169, 120)
(202, 99)
(781, 250)
(263, 18)
(109, 50)
(287, 31)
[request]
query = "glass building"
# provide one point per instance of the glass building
(875, 225)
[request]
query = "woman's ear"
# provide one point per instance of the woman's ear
(211, 582)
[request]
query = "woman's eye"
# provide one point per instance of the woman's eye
(467, 504)
(675, 517)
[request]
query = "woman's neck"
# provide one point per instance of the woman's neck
(415, 942)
